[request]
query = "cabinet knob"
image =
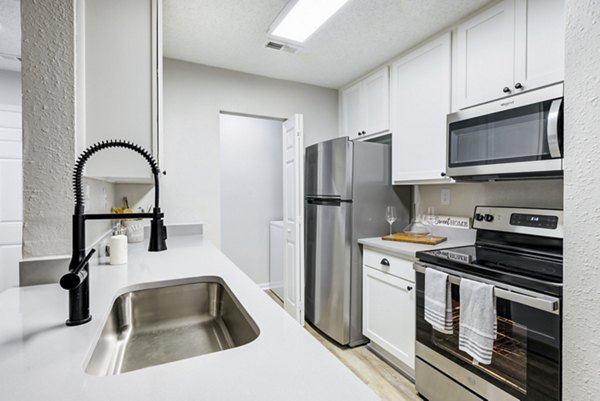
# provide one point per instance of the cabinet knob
(408, 288)
(385, 262)
(518, 85)
(506, 89)
(443, 174)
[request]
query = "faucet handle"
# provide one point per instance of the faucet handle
(75, 277)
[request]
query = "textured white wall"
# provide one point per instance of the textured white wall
(48, 124)
(465, 196)
(10, 88)
(251, 190)
(194, 95)
(581, 370)
(48, 76)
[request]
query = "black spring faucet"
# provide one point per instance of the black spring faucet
(77, 280)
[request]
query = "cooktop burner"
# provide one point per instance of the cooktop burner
(519, 263)
(513, 245)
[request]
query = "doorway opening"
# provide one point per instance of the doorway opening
(251, 164)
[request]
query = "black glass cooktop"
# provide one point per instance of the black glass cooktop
(490, 261)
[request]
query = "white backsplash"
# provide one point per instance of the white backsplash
(465, 196)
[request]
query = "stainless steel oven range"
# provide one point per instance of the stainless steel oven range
(519, 251)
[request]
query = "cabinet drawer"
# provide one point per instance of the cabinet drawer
(390, 264)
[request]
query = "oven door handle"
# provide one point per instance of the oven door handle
(532, 299)
(547, 305)
(552, 129)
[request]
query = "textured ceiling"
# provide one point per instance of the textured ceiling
(10, 33)
(362, 35)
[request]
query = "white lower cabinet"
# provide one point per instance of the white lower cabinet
(389, 306)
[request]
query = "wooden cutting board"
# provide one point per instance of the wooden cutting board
(427, 240)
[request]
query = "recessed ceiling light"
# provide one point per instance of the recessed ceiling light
(301, 18)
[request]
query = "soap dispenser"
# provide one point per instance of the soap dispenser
(118, 246)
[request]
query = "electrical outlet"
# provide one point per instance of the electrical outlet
(445, 197)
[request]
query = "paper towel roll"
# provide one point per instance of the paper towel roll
(118, 249)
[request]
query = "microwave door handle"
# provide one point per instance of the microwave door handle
(552, 129)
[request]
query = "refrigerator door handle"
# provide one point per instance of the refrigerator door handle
(323, 201)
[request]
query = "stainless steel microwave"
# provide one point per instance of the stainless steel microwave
(516, 137)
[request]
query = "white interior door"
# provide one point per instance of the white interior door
(11, 195)
(293, 217)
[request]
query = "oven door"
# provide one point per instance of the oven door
(522, 135)
(526, 362)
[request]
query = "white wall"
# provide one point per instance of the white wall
(48, 125)
(251, 190)
(48, 75)
(581, 349)
(10, 88)
(194, 95)
(465, 196)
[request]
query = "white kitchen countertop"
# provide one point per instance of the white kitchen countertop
(456, 237)
(41, 358)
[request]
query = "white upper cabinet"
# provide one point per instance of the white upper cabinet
(420, 101)
(485, 55)
(365, 106)
(540, 43)
(352, 111)
(514, 46)
(377, 107)
(119, 60)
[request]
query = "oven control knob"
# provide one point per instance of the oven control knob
(478, 216)
(489, 218)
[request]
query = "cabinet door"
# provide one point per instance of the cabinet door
(119, 80)
(352, 111)
(485, 56)
(389, 314)
(540, 43)
(420, 102)
(377, 102)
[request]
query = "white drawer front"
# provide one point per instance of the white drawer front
(398, 266)
(389, 314)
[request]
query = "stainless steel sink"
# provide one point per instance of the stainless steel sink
(153, 326)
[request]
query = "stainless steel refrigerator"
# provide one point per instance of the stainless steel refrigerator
(347, 188)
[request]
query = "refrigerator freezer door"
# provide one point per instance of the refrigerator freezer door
(328, 169)
(328, 267)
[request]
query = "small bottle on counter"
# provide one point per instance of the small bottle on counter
(118, 246)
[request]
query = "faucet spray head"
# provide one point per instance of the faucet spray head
(158, 233)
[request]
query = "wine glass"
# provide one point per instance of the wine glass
(390, 216)
(429, 219)
(430, 216)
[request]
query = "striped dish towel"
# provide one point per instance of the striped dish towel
(477, 327)
(438, 301)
